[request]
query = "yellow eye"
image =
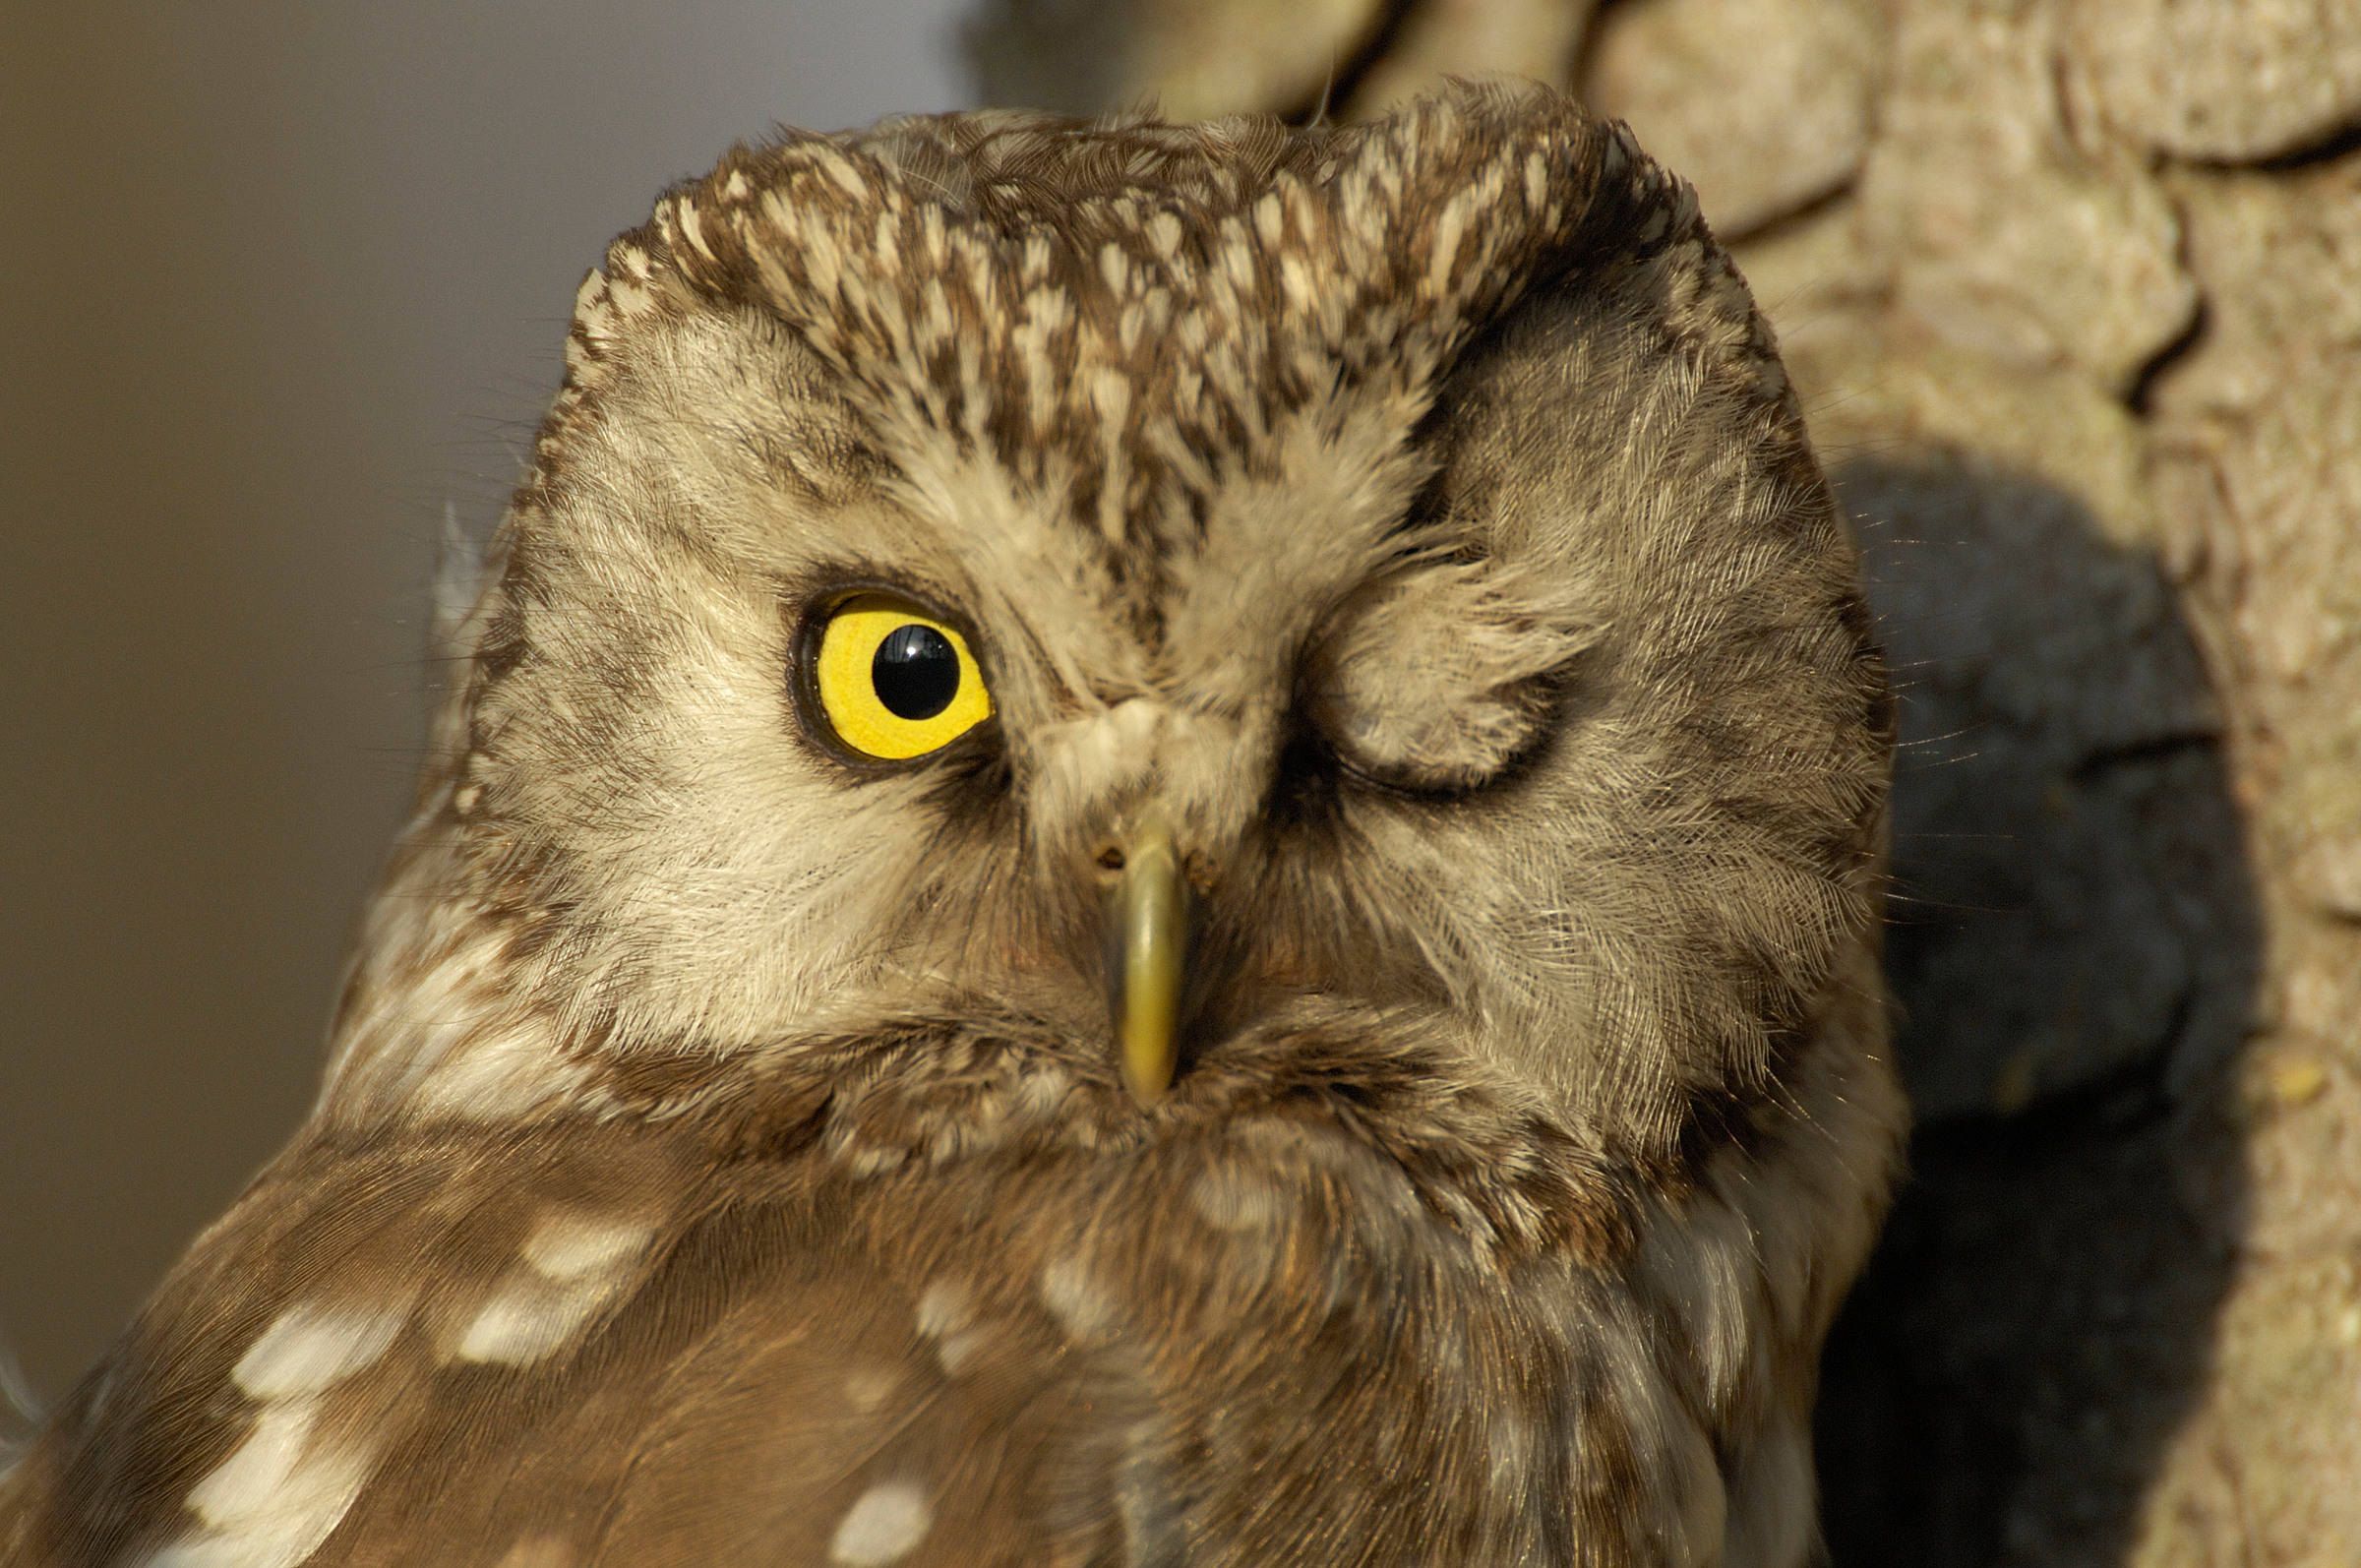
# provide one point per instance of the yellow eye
(893, 681)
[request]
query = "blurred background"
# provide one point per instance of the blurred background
(2071, 290)
(283, 282)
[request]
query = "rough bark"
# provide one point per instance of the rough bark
(2073, 288)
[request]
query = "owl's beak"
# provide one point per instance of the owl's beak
(1151, 953)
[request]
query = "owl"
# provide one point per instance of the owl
(1162, 845)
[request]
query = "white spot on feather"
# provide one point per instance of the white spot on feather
(890, 1518)
(539, 1551)
(499, 1075)
(839, 168)
(866, 1387)
(946, 1316)
(1449, 227)
(577, 1262)
(567, 1245)
(1068, 1290)
(1270, 221)
(1230, 1201)
(311, 1346)
(691, 227)
(522, 1325)
(942, 1309)
(275, 1499)
(257, 1469)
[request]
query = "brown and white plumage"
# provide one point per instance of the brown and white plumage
(723, 1157)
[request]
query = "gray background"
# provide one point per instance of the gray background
(277, 280)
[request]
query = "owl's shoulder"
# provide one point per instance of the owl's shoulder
(373, 1292)
(975, 1295)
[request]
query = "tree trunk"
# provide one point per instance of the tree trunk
(2072, 291)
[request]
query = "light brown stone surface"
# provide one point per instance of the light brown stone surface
(1194, 59)
(2007, 235)
(2121, 1324)
(1763, 104)
(1436, 39)
(2222, 80)
(2257, 429)
(1200, 58)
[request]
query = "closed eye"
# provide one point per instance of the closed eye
(1437, 682)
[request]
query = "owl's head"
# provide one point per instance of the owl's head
(1148, 588)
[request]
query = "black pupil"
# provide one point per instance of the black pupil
(916, 672)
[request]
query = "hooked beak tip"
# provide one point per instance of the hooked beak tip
(1151, 930)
